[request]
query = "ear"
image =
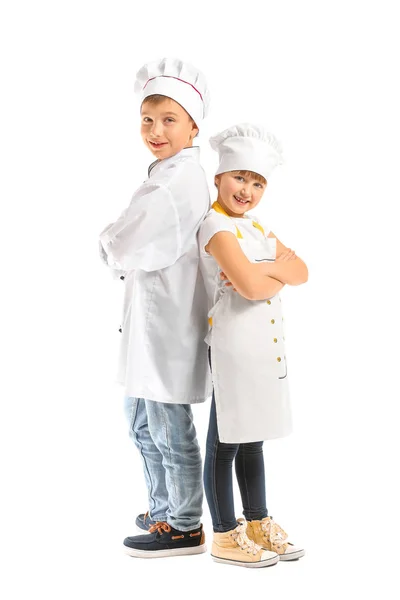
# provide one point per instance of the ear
(195, 130)
(216, 181)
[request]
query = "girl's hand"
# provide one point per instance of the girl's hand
(228, 283)
(286, 255)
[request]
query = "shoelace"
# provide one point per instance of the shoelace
(160, 527)
(275, 532)
(240, 536)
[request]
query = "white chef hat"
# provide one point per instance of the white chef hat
(178, 80)
(247, 147)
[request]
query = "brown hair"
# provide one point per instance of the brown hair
(255, 176)
(156, 99)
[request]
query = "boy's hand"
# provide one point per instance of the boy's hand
(286, 255)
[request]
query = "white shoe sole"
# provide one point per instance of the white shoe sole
(252, 565)
(163, 553)
(292, 555)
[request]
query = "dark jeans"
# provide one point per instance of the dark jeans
(218, 483)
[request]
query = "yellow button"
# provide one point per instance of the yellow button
(272, 321)
(279, 359)
(275, 340)
(268, 301)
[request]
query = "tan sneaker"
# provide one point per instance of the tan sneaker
(234, 548)
(268, 534)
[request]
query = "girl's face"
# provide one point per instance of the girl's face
(166, 128)
(237, 193)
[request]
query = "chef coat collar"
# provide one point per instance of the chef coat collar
(190, 151)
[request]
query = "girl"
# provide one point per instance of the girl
(247, 355)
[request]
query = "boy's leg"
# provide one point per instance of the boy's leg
(173, 432)
(154, 472)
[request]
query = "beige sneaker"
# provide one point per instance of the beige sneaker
(234, 548)
(270, 535)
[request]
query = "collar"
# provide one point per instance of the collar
(193, 151)
(218, 208)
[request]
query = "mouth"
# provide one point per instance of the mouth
(157, 145)
(241, 201)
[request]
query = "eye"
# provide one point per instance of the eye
(259, 185)
(239, 177)
(170, 120)
(146, 120)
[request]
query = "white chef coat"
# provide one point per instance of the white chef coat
(163, 356)
(246, 337)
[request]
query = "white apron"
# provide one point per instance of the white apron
(248, 360)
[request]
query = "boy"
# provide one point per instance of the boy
(163, 360)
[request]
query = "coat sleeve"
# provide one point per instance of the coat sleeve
(146, 236)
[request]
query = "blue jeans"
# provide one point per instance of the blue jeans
(218, 483)
(165, 436)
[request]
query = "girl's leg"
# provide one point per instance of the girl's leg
(249, 466)
(218, 483)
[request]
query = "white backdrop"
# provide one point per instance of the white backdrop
(324, 77)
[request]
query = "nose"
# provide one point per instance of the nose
(246, 190)
(156, 128)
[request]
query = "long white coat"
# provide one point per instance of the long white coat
(163, 356)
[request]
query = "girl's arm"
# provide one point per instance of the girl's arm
(245, 276)
(292, 272)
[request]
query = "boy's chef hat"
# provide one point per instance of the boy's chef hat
(247, 147)
(178, 80)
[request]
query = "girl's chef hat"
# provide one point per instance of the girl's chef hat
(247, 147)
(178, 80)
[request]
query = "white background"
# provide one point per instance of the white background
(324, 77)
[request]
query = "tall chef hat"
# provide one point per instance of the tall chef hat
(178, 80)
(247, 147)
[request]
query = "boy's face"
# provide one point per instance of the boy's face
(166, 128)
(238, 194)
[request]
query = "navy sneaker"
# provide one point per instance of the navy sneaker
(143, 522)
(164, 540)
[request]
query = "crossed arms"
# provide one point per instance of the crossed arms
(256, 281)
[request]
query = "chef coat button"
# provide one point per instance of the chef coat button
(275, 340)
(122, 277)
(272, 321)
(279, 359)
(268, 301)
(120, 330)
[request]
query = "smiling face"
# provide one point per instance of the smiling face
(166, 127)
(239, 191)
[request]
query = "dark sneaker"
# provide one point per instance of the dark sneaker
(164, 540)
(143, 522)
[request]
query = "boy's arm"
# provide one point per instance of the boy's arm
(245, 276)
(292, 272)
(146, 235)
